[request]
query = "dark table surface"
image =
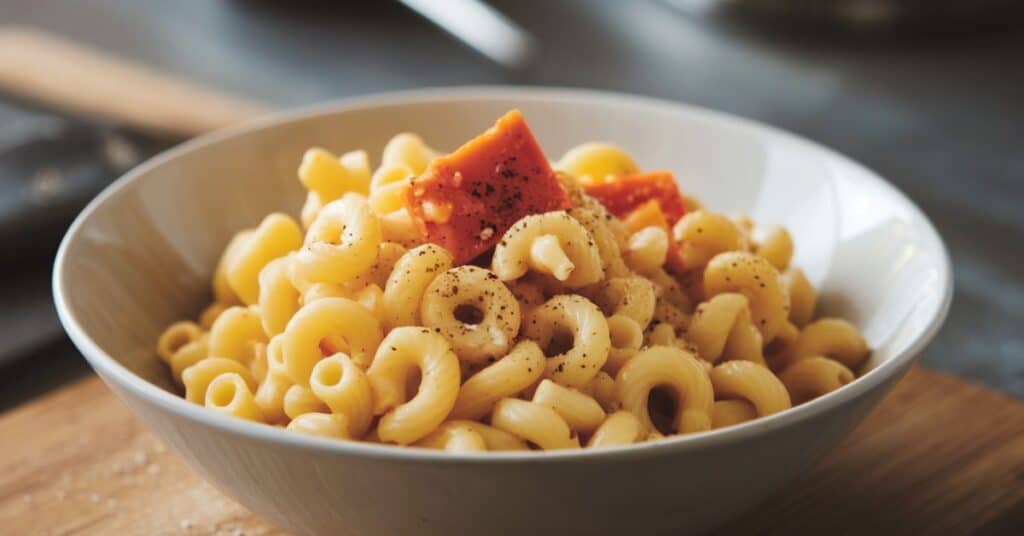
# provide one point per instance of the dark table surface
(940, 115)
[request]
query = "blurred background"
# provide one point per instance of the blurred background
(929, 93)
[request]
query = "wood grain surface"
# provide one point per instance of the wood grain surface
(939, 456)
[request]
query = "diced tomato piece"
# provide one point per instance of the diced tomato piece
(624, 194)
(465, 201)
(649, 214)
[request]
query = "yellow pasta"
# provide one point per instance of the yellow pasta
(454, 436)
(234, 334)
(299, 400)
(343, 386)
(606, 231)
(270, 397)
(189, 355)
(602, 389)
(620, 428)
(676, 371)
(721, 328)
(729, 412)
(222, 291)
(278, 298)
(409, 150)
(412, 273)
(701, 235)
(626, 338)
(581, 412)
(310, 208)
(552, 243)
(175, 337)
(330, 177)
(834, 338)
(751, 382)
(341, 243)
(597, 162)
(539, 425)
(802, 296)
(406, 419)
(472, 309)
(631, 296)
(755, 278)
(229, 394)
(647, 249)
(209, 314)
(388, 186)
(575, 316)
(521, 368)
(329, 425)
(276, 236)
(776, 247)
(812, 377)
(320, 320)
(197, 377)
(398, 227)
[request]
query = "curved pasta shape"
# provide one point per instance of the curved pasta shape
(299, 400)
(270, 397)
(343, 386)
(626, 338)
(674, 369)
(341, 243)
(405, 420)
(408, 281)
(189, 355)
(802, 296)
(388, 186)
(258, 366)
(751, 382)
(666, 313)
(518, 370)
(197, 378)
(310, 208)
(647, 249)
(210, 314)
(605, 230)
(776, 247)
(581, 412)
(331, 177)
(278, 298)
(276, 236)
(721, 328)
(477, 290)
(409, 150)
(235, 332)
(812, 377)
(602, 389)
(834, 338)
(620, 428)
(667, 288)
(631, 296)
(701, 235)
(388, 254)
(222, 291)
(528, 295)
(729, 412)
(454, 436)
(553, 243)
(229, 394)
(575, 315)
(329, 425)
(532, 422)
(756, 279)
(596, 162)
(494, 439)
(175, 337)
(398, 227)
(320, 320)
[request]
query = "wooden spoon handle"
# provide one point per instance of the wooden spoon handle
(52, 71)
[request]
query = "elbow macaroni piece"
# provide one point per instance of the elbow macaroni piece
(721, 328)
(834, 338)
(343, 386)
(776, 247)
(276, 236)
(620, 428)
(802, 296)
(626, 338)
(210, 314)
(329, 425)
(407, 419)
(323, 319)
(520, 369)
(581, 412)
(388, 186)
(409, 150)
(330, 177)
(597, 162)
(408, 281)
(454, 436)
(229, 394)
(278, 298)
(701, 235)
(729, 412)
(751, 382)
(176, 337)
(197, 378)
(398, 227)
(494, 439)
(631, 296)
(270, 397)
(234, 334)
(602, 389)
(189, 355)
(472, 289)
(605, 229)
(674, 369)
(812, 377)
(755, 278)
(299, 400)
(552, 243)
(575, 315)
(341, 243)
(222, 291)
(532, 422)
(647, 249)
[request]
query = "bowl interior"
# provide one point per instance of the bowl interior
(141, 255)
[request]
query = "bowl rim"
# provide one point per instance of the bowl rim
(110, 370)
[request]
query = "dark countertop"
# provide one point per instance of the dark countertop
(941, 116)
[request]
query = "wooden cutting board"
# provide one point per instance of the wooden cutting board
(939, 456)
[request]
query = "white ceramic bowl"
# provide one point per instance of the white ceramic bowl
(141, 254)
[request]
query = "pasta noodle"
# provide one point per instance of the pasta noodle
(498, 305)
